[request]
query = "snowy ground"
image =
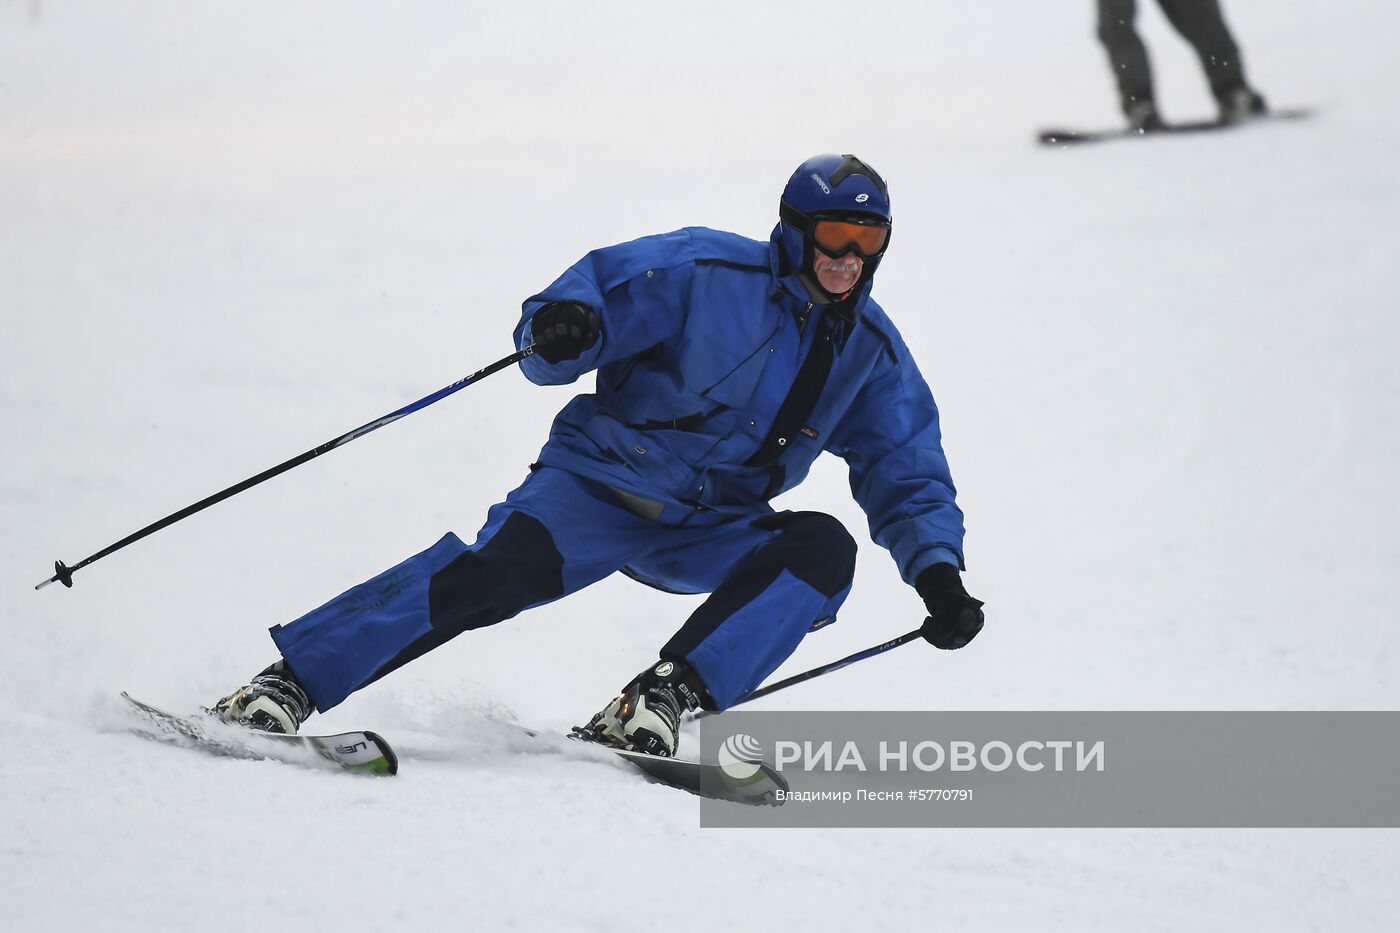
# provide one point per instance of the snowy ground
(229, 232)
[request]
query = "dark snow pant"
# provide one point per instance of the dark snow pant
(772, 578)
(1200, 23)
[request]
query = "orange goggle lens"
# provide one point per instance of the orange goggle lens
(836, 237)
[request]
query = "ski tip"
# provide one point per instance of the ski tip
(139, 704)
(388, 762)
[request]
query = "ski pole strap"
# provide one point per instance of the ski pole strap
(828, 668)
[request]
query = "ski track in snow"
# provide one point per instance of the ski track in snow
(227, 234)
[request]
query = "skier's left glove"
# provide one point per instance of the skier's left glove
(954, 618)
(562, 330)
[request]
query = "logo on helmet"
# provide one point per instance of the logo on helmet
(862, 198)
(818, 179)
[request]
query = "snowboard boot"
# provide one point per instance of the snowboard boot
(1240, 105)
(274, 701)
(1143, 117)
(646, 715)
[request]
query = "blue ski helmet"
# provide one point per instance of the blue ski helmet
(840, 188)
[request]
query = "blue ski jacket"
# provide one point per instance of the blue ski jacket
(703, 334)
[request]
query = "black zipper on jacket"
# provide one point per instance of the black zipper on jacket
(801, 398)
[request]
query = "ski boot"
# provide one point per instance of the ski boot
(274, 701)
(646, 715)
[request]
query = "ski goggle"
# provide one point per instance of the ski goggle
(836, 238)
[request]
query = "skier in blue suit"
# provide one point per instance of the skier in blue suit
(724, 366)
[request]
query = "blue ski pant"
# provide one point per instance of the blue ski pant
(771, 577)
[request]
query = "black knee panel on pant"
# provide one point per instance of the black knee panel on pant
(812, 546)
(518, 567)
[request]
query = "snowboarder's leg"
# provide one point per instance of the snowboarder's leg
(553, 535)
(1202, 24)
(1127, 57)
(786, 579)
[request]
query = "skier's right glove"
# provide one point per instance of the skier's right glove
(562, 330)
(954, 618)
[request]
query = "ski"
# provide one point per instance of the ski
(1065, 137)
(704, 779)
(357, 752)
(755, 783)
(368, 753)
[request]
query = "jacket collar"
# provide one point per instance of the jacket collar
(786, 278)
(789, 292)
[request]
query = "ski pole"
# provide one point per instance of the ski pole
(826, 668)
(64, 574)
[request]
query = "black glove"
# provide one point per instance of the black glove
(954, 618)
(562, 330)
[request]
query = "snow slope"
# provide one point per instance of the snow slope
(229, 232)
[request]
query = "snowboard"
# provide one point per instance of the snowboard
(1069, 137)
(355, 752)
